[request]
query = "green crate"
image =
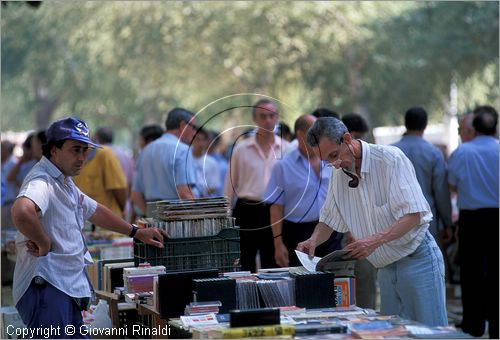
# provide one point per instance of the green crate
(220, 251)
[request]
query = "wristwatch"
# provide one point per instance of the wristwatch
(134, 230)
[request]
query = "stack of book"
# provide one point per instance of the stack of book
(140, 298)
(140, 279)
(198, 308)
(191, 218)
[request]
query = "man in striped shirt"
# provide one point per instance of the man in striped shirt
(377, 198)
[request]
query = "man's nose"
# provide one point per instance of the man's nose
(337, 163)
(81, 156)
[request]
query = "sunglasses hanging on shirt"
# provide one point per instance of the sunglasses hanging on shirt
(354, 182)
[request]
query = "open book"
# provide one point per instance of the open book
(337, 262)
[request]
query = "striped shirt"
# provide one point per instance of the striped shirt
(388, 189)
(63, 209)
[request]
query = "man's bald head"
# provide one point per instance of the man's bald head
(303, 123)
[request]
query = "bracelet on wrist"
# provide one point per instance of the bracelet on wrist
(133, 231)
(279, 235)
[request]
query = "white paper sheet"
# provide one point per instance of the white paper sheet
(308, 262)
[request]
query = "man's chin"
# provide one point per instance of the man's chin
(76, 172)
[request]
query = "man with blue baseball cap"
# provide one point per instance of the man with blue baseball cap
(51, 286)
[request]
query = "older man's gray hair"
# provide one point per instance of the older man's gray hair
(176, 116)
(329, 127)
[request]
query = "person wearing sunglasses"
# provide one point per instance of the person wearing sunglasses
(377, 198)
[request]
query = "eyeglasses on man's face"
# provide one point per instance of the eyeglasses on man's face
(333, 157)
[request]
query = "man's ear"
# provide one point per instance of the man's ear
(347, 137)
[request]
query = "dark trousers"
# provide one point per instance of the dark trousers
(294, 233)
(46, 307)
(478, 258)
(254, 215)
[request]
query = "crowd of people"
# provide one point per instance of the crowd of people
(318, 188)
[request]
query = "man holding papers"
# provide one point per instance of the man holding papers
(377, 198)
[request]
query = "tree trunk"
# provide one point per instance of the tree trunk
(45, 104)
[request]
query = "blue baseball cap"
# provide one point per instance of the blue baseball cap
(69, 128)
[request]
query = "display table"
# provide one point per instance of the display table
(339, 323)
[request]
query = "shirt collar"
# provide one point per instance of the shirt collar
(297, 156)
(253, 141)
(365, 158)
(52, 170)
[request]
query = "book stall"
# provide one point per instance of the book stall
(192, 287)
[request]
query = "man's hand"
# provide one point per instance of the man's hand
(360, 249)
(152, 236)
(308, 246)
(446, 235)
(281, 254)
(349, 238)
(38, 250)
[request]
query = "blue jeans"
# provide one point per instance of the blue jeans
(414, 286)
(46, 307)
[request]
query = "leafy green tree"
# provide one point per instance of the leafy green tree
(126, 63)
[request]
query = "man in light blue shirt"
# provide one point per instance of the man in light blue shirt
(165, 168)
(473, 173)
(50, 287)
(296, 191)
(430, 169)
(11, 189)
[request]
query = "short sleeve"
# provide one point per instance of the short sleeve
(184, 167)
(37, 190)
(406, 195)
(88, 204)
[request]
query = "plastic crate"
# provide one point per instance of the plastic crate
(221, 251)
(128, 318)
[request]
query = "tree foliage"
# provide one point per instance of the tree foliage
(127, 63)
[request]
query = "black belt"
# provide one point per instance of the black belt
(82, 303)
(253, 202)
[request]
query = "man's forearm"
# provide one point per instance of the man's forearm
(321, 233)
(107, 219)
(26, 220)
(399, 228)
(277, 220)
(184, 192)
